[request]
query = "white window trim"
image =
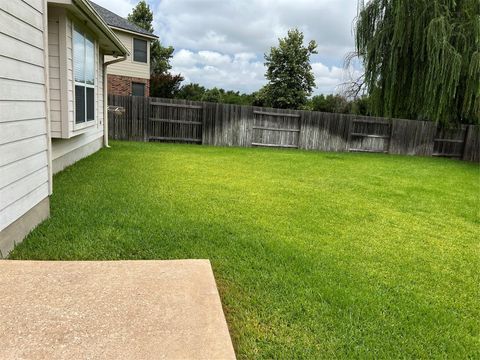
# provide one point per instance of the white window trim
(133, 51)
(87, 123)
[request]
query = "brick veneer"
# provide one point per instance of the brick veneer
(122, 85)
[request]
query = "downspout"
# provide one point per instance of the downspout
(105, 97)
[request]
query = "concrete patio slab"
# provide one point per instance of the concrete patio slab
(111, 310)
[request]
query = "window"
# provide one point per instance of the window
(140, 50)
(138, 89)
(84, 73)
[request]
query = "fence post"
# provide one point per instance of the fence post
(391, 135)
(349, 135)
(203, 123)
(465, 142)
(146, 118)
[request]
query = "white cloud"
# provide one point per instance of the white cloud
(226, 39)
(221, 42)
(232, 26)
(242, 71)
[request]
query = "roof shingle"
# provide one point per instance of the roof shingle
(117, 21)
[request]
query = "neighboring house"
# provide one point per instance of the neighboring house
(130, 77)
(52, 101)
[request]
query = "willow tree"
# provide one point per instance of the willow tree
(421, 58)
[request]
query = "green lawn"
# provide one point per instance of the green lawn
(316, 255)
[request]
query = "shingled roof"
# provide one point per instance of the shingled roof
(117, 21)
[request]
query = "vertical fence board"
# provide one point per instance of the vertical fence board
(471, 151)
(235, 125)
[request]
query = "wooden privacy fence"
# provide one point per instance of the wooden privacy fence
(173, 120)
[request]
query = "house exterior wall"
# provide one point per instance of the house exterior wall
(122, 85)
(54, 75)
(24, 129)
(130, 68)
(71, 142)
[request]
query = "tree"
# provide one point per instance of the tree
(142, 16)
(191, 92)
(199, 93)
(421, 58)
(159, 55)
(330, 103)
(213, 95)
(235, 97)
(165, 85)
(289, 73)
(360, 106)
(160, 58)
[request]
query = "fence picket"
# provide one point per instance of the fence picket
(146, 119)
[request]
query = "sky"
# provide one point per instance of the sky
(221, 43)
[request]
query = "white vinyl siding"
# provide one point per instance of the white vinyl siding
(54, 74)
(62, 147)
(68, 136)
(70, 86)
(84, 136)
(24, 178)
(129, 67)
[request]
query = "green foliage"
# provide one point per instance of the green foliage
(142, 16)
(235, 97)
(315, 255)
(289, 73)
(199, 93)
(191, 91)
(260, 97)
(338, 104)
(165, 85)
(160, 56)
(360, 106)
(326, 103)
(213, 95)
(330, 103)
(422, 58)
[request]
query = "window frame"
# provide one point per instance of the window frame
(146, 51)
(86, 35)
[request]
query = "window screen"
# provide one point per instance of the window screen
(140, 50)
(79, 104)
(138, 89)
(90, 104)
(84, 71)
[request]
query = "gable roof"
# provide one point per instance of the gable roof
(118, 22)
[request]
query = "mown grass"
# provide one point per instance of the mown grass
(316, 255)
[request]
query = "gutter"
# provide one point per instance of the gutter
(151, 36)
(105, 97)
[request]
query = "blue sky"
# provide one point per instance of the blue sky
(222, 42)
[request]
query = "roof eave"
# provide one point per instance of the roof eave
(149, 36)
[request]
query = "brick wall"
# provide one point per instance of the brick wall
(122, 85)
